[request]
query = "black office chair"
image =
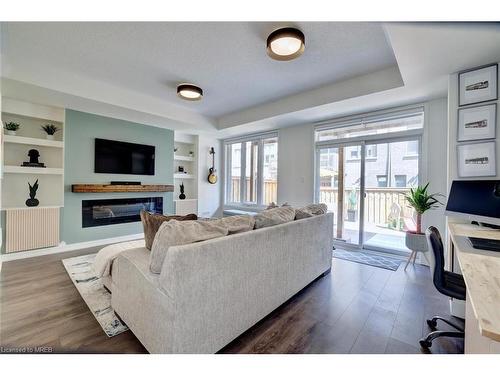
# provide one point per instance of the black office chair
(448, 283)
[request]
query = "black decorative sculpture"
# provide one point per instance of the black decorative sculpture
(33, 202)
(182, 195)
(33, 155)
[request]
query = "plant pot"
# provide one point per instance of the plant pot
(416, 242)
(352, 215)
(10, 132)
(50, 137)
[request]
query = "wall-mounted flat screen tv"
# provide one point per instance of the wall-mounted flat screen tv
(123, 158)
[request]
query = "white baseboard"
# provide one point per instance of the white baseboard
(63, 247)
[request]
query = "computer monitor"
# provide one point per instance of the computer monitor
(475, 201)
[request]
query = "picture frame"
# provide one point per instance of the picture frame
(478, 85)
(477, 159)
(477, 123)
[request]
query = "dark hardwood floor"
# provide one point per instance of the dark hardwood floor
(354, 309)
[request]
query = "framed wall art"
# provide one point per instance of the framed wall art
(476, 123)
(476, 159)
(478, 85)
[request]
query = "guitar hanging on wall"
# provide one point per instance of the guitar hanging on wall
(212, 177)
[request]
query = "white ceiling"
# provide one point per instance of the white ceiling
(228, 60)
(123, 68)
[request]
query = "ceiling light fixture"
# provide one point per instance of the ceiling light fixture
(285, 44)
(188, 91)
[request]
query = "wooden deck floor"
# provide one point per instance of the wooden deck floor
(354, 309)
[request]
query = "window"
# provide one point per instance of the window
(412, 148)
(355, 153)
(256, 159)
(381, 181)
(371, 151)
(400, 180)
(233, 184)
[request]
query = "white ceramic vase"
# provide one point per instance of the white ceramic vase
(50, 137)
(10, 132)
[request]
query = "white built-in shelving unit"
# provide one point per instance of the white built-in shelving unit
(30, 135)
(184, 144)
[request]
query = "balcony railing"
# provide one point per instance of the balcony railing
(378, 203)
(270, 190)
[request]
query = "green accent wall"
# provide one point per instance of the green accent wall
(81, 129)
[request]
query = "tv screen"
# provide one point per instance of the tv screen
(123, 157)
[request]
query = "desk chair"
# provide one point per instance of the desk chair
(448, 283)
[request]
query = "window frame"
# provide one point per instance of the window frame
(260, 139)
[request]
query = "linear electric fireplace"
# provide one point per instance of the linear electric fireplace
(100, 212)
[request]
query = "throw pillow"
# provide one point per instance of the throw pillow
(238, 223)
(310, 211)
(152, 222)
(174, 233)
(274, 216)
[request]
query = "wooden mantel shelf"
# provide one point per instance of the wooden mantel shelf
(97, 188)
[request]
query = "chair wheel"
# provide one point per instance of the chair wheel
(431, 323)
(425, 344)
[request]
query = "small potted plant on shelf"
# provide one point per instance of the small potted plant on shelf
(11, 128)
(421, 201)
(50, 129)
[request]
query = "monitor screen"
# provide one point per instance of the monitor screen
(123, 157)
(478, 200)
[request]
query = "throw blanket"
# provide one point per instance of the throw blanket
(105, 257)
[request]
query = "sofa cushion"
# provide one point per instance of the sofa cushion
(274, 216)
(151, 223)
(174, 233)
(311, 210)
(237, 224)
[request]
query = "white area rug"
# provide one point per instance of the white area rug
(97, 298)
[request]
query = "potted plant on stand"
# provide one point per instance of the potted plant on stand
(421, 201)
(11, 127)
(50, 129)
(352, 201)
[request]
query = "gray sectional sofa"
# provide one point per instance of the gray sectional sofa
(210, 292)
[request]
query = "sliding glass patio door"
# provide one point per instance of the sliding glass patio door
(391, 169)
(364, 165)
(364, 185)
(339, 174)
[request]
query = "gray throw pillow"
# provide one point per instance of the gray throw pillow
(311, 210)
(174, 233)
(274, 216)
(152, 222)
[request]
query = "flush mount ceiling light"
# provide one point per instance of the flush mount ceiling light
(188, 91)
(285, 44)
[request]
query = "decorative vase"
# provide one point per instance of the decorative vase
(32, 202)
(10, 132)
(50, 137)
(182, 195)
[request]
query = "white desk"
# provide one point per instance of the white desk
(481, 271)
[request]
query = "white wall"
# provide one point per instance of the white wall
(209, 196)
(434, 159)
(296, 165)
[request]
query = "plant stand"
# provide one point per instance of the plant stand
(417, 243)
